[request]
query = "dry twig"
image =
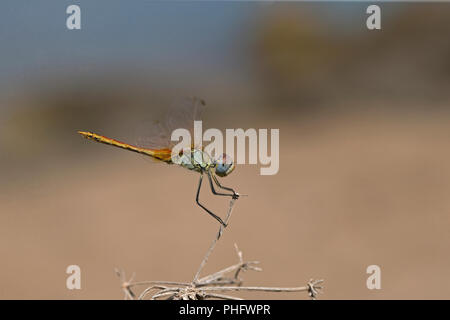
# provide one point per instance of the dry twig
(211, 286)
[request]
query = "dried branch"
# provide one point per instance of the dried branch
(213, 245)
(218, 278)
(210, 286)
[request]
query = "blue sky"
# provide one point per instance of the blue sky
(162, 35)
(34, 37)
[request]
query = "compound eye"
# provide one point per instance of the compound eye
(224, 165)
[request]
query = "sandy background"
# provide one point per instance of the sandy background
(364, 173)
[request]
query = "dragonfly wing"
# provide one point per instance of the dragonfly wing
(155, 135)
(183, 114)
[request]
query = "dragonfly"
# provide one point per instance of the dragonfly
(158, 145)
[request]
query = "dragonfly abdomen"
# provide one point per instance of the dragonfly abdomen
(161, 154)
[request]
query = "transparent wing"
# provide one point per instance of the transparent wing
(153, 135)
(181, 114)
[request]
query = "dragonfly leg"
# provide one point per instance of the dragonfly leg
(214, 190)
(203, 207)
(235, 195)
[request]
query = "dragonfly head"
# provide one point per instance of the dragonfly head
(224, 165)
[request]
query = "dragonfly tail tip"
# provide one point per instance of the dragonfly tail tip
(83, 133)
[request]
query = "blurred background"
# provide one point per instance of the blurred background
(364, 145)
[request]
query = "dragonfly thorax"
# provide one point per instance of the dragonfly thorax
(196, 160)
